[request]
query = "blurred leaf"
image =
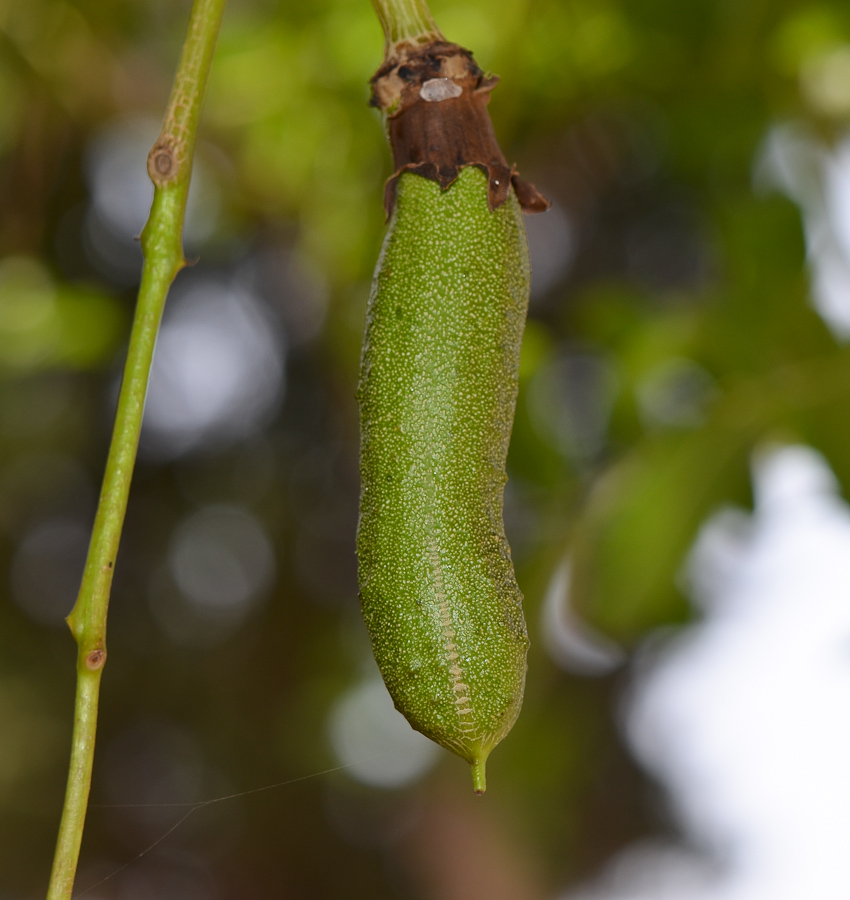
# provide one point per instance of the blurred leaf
(642, 516)
(44, 327)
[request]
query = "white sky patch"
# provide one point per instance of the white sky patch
(745, 717)
(572, 643)
(817, 178)
(217, 374)
(221, 558)
(374, 741)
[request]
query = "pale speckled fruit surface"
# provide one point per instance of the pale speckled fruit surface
(437, 392)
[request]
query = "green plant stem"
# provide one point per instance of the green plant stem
(406, 20)
(170, 166)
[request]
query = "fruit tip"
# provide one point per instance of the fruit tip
(479, 779)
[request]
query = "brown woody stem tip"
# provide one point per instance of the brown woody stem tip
(435, 97)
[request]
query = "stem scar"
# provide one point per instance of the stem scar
(95, 660)
(164, 161)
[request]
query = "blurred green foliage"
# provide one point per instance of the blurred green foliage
(672, 336)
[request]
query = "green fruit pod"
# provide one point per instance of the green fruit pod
(438, 386)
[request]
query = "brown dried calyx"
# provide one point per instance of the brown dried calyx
(435, 99)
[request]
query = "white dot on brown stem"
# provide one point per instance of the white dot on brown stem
(436, 89)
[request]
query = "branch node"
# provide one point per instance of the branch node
(165, 160)
(95, 660)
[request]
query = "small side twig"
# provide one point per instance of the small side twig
(169, 167)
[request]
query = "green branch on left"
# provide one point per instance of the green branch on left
(170, 167)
